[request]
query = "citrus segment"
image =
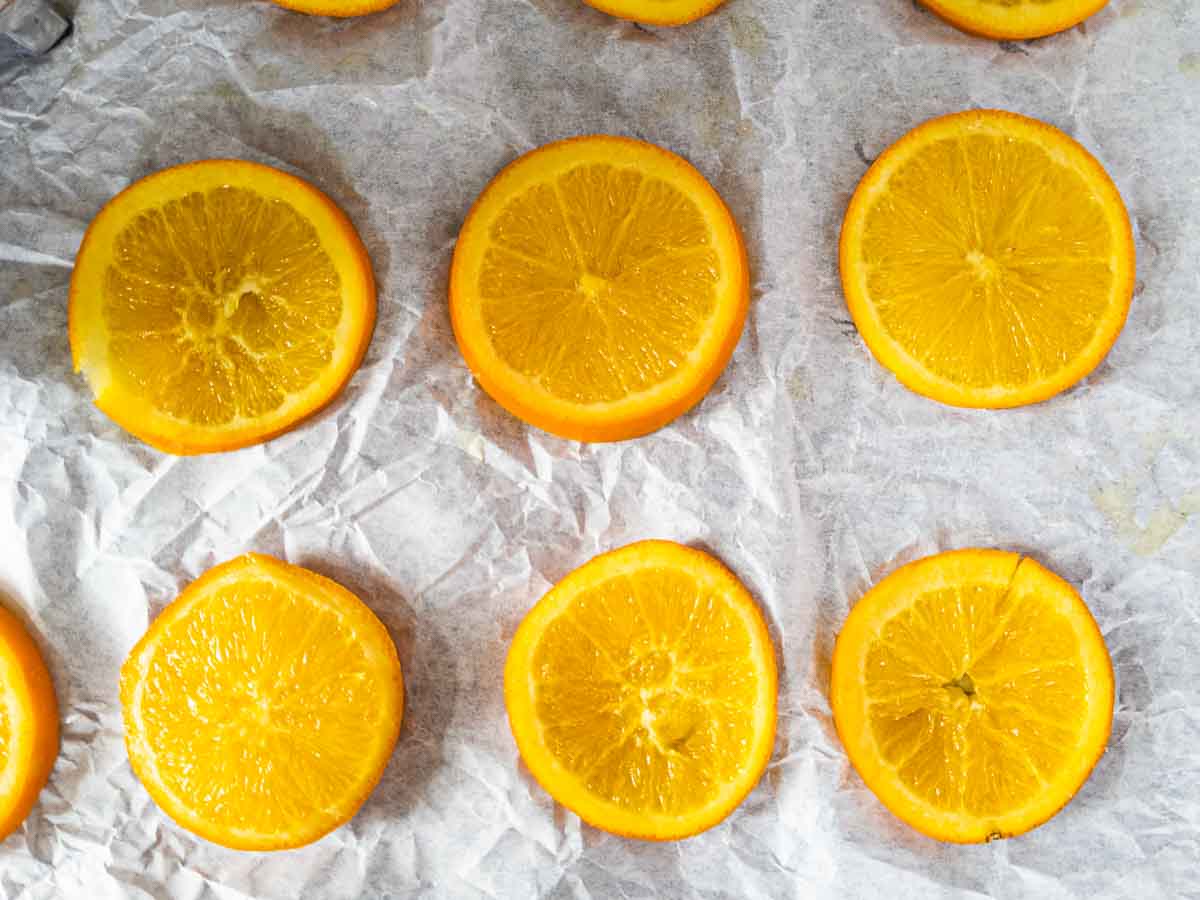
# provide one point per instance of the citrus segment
(1014, 19)
(598, 288)
(28, 723)
(973, 693)
(657, 12)
(987, 260)
(641, 691)
(216, 304)
(262, 705)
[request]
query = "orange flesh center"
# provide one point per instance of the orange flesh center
(598, 284)
(219, 305)
(644, 692)
(976, 699)
(987, 261)
(257, 708)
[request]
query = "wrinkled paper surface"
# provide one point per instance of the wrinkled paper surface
(808, 469)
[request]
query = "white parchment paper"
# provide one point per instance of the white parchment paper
(808, 469)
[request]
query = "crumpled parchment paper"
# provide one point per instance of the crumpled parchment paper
(808, 469)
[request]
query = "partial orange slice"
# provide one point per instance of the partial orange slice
(598, 288)
(657, 12)
(987, 260)
(28, 723)
(262, 705)
(641, 691)
(1014, 19)
(973, 693)
(340, 9)
(217, 304)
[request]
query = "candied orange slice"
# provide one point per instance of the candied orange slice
(1014, 19)
(217, 304)
(973, 693)
(598, 288)
(641, 691)
(340, 9)
(262, 705)
(28, 723)
(657, 12)
(987, 260)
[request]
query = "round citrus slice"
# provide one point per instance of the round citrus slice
(262, 705)
(657, 12)
(340, 9)
(987, 260)
(641, 691)
(217, 304)
(28, 723)
(598, 288)
(1014, 19)
(973, 693)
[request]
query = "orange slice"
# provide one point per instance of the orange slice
(598, 288)
(1014, 19)
(641, 691)
(262, 705)
(657, 12)
(217, 304)
(973, 693)
(340, 9)
(28, 723)
(987, 260)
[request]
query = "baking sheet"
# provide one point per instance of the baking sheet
(808, 469)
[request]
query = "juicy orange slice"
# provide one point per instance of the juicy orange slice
(262, 705)
(598, 288)
(340, 9)
(1014, 19)
(973, 693)
(28, 723)
(657, 12)
(217, 304)
(987, 260)
(641, 691)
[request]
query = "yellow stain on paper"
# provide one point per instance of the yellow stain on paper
(1117, 503)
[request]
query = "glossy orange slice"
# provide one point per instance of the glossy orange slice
(28, 723)
(262, 705)
(1014, 19)
(987, 260)
(641, 691)
(598, 288)
(973, 693)
(218, 304)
